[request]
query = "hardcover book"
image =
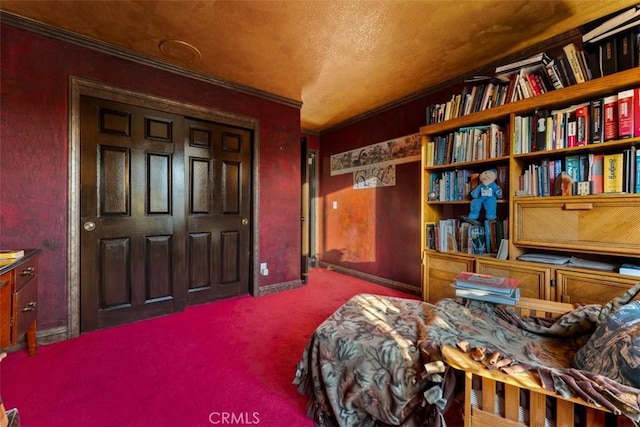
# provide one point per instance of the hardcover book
(574, 62)
(596, 173)
(479, 295)
(627, 50)
(495, 284)
(610, 107)
(608, 57)
(596, 120)
(582, 125)
(625, 114)
(613, 172)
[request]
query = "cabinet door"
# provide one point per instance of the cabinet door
(590, 287)
(441, 271)
(534, 279)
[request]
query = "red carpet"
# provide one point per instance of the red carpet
(230, 362)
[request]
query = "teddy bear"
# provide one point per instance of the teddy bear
(486, 194)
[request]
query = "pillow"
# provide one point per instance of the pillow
(613, 350)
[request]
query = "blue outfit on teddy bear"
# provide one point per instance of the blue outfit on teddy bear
(485, 194)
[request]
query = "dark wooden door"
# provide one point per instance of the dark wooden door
(132, 242)
(161, 227)
(218, 164)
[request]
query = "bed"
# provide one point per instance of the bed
(379, 361)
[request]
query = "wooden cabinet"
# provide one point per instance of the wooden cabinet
(535, 279)
(442, 269)
(603, 224)
(588, 288)
(599, 227)
(19, 301)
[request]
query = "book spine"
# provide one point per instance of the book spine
(596, 164)
(613, 165)
(627, 50)
(582, 125)
(596, 119)
(574, 62)
(610, 106)
(636, 112)
(625, 114)
(608, 57)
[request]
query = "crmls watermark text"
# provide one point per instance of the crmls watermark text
(234, 418)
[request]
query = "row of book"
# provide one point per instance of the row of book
(614, 45)
(455, 185)
(456, 235)
(611, 47)
(583, 174)
(484, 287)
(467, 144)
(608, 118)
(479, 93)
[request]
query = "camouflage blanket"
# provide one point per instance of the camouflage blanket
(376, 361)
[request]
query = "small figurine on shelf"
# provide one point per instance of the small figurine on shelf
(484, 194)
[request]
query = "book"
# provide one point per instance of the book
(615, 31)
(630, 270)
(539, 58)
(582, 125)
(545, 258)
(574, 62)
(596, 128)
(613, 165)
(485, 296)
(11, 253)
(608, 57)
(596, 173)
(610, 117)
(636, 112)
(627, 50)
(637, 188)
(572, 167)
(625, 114)
(476, 240)
(486, 282)
(614, 22)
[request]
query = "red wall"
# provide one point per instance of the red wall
(34, 144)
(374, 231)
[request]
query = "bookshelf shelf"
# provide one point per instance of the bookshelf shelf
(598, 226)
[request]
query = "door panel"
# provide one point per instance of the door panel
(218, 160)
(165, 202)
(132, 245)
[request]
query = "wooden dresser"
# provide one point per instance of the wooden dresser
(19, 301)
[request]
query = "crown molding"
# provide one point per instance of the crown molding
(22, 23)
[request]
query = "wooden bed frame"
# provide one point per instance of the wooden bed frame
(487, 413)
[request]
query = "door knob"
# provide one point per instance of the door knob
(89, 226)
(245, 221)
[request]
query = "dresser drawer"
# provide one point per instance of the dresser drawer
(601, 224)
(26, 310)
(26, 272)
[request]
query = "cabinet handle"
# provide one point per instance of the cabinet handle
(578, 206)
(29, 271)
(31, 306)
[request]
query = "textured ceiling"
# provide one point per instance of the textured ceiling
(340, 58)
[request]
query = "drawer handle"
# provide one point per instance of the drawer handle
(578, 206)
(31, 306)
(29, 271)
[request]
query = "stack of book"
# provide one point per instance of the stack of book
(483, 287)
(613, 46)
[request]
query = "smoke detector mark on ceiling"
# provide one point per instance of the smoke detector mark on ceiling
(179, 50)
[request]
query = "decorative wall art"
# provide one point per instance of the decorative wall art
(405, 149)
(384, 176)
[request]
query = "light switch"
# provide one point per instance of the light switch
(335, 204)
